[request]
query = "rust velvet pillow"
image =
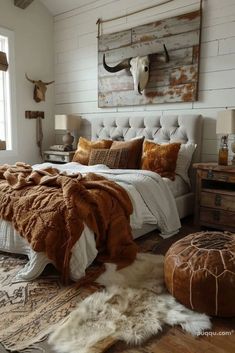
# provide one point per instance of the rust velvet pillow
(114, 159)
(134, 148)
(160, 159)
(85, 146)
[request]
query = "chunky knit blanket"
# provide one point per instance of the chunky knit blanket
(49, 209)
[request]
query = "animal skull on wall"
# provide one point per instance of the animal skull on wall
(39, 89)
(140, 72)
(139, 68)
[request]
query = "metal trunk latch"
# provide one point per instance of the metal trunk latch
(216, 215)
(218, 199)
(210, 174)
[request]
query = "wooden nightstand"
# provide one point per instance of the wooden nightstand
(215, 196)
(58, 156)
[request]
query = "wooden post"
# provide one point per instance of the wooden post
(39, 134)
(33, 114)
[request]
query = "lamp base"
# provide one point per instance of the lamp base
(233, 160)
(68, 148)
(68, 141)
(223, 151)
(223, 157)
(233, 150)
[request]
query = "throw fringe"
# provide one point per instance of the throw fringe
(29, 345)
(35, 348)
(32, 344)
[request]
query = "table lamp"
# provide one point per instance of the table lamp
(225, 125)
(70, 123)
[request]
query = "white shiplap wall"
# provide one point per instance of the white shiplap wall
(76, 60)
(33, 42)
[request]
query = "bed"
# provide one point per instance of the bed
(158, 203)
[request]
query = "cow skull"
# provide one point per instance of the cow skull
(139, 68)
(140, 72)
(39, 89)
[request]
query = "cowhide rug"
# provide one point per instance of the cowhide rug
(133, 307)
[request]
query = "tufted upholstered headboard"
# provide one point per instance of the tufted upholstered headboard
(172, 128)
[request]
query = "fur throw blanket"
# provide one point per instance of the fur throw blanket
(49, 210)
(133, 307)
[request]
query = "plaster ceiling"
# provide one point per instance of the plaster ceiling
(57, 7)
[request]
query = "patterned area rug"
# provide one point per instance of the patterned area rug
(28, 310)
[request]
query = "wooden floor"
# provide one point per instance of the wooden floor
(174, 340)
(221, 338)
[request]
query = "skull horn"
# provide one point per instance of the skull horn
(166, 54)
(125, 64)
(48, 83)
(29, 79)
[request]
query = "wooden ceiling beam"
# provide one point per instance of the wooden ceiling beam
(22, 3)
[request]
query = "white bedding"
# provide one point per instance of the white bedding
(178, 186)
(152, 200)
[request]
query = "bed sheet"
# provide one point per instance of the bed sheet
(178, 186)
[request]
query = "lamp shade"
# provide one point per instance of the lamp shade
(67, 122)
(3, 61)
(225, 124)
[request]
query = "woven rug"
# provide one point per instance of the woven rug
(29, 309)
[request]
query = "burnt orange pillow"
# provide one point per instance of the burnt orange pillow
(134, 148)
(85, 146)
(160, 159)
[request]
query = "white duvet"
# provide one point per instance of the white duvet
(153, 203)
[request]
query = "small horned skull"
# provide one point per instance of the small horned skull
(39, 89)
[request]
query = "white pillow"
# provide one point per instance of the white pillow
(184, 159)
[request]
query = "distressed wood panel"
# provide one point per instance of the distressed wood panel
(182, 40)
(159, 77)
(172, 26)
(175, 81)
(179, 58)
(164, 94)
(114, 40)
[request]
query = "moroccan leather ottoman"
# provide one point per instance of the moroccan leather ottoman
(200, 272)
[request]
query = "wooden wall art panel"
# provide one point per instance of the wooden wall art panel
(173, 81)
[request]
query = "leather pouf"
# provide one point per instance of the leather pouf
(200, 272)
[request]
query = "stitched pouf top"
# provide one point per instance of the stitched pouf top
(200, 272)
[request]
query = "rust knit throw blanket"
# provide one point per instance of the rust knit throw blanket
(49, 210)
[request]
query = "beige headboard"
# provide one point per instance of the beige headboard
(183, 128)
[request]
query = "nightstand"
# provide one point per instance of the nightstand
(58, 156)
(215, 196)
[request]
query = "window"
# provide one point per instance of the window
(6, 90)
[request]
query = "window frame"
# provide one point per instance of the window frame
(12, 129)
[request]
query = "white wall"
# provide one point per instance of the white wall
(33, 29)
(76, 60)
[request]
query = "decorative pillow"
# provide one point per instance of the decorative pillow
(160, 159)
(114, 159)
(134, 148)
(85, 146)
(184, 159)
